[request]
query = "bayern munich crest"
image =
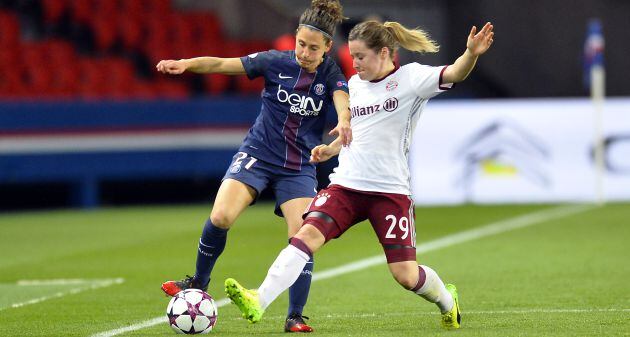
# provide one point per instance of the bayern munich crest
(319, 89)
(390, 104)
(391, 85)
(321, 199)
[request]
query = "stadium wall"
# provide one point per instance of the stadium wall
(84, 144)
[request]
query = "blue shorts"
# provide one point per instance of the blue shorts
(287, 184)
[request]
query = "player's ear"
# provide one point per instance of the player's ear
(328, 45)
(384, 53)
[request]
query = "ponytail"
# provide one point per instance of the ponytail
(392, 35)
(412, 39)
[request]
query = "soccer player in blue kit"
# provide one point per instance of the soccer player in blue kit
(300, 86)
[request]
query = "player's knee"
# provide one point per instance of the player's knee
(406, 280)
(221, 218)
(311, 236)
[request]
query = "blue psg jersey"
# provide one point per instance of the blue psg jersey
(294, 107)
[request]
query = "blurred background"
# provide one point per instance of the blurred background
(85, 120)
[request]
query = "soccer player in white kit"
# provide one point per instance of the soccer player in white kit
(372, 180)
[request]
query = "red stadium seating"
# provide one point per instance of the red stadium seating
(9, 30)
(93, 62)
(82, 11)
(104, 33)
(53, 10)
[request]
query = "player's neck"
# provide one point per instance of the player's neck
(386, 71)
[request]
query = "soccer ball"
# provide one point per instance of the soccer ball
(192, 311)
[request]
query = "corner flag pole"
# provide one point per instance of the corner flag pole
(595, 76)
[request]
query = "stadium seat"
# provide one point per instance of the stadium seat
(12, 83)
(81, 11)
(216, 84)
(284, 42)
(345, 60)
(39, 78)
(104, 33)
(93, 79)
(172, 89)
(247, 86)
(131, 32)
(208, 26)
(161, 7)
(144, 90)
(9, 30)
(133, 7)
(53, 10)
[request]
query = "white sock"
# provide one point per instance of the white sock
(284, 271)
(434, 290)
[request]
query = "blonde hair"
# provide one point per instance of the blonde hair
(392, 35)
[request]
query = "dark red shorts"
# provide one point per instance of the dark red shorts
(391, 216)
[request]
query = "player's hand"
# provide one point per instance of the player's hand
(321, 153)
(343, 131)
(174, 67)
(479, 43)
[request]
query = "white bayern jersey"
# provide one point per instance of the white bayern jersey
(383, 118)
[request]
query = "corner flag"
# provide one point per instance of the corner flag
(593, 51)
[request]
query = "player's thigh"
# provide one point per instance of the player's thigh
(392, 217)
(292, 210)
(232, 198)
(334, 210)
(288, 187)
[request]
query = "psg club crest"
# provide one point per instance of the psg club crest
(235, 169)
(319, 89)
(391, 85)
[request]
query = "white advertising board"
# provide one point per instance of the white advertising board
(513, 151)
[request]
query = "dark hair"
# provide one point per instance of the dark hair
(324, 15)
(392, 35)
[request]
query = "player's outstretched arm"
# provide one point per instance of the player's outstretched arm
(477, 44)
(341, 99)
(202, 65)
(323, 152)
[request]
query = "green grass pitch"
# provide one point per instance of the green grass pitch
(567, 276)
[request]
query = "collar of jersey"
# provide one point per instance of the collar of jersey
(396, 67)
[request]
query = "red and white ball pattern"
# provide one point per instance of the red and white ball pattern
(192, 311)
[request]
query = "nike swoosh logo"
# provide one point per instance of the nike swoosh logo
(284, 77)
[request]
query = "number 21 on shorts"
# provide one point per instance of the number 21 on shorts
(238, 160)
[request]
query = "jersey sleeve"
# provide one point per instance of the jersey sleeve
(255, 64)
(426, 80)
(336, 80)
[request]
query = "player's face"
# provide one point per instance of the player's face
(310, 47)
(369, 64)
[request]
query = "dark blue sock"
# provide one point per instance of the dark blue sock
(211, 246)
(298, 292)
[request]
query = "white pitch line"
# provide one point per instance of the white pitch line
(94, 284)
(63, 282)
(472, 312)
(446, 241)
(149, 323)
(464, 236)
